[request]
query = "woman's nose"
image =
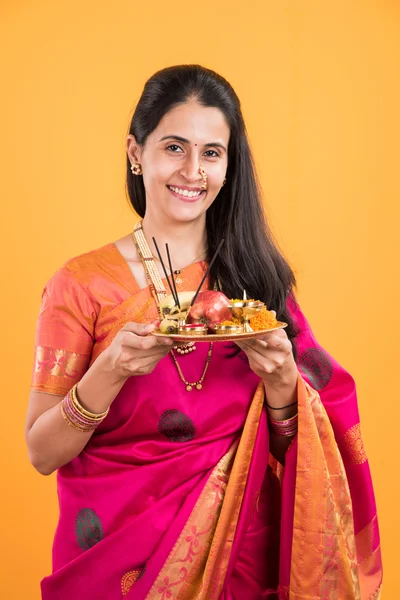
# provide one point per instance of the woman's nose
(190, 170)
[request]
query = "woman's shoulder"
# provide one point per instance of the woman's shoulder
(95, 272)
(84, 266)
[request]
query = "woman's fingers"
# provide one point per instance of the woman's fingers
(267, 355)
(144, 342)
(138, 328)
(254, 346)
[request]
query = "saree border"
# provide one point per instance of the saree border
(323, 548)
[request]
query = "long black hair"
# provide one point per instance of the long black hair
(249, 259)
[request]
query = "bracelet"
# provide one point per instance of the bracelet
(77, 416)
(281, 407)
(72, 422)
(83, 411)
(288, 428)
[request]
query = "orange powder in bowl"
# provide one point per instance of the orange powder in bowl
(263, 320)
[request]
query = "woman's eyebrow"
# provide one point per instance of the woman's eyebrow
(178, 138)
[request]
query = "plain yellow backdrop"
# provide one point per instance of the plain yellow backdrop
(319, 84)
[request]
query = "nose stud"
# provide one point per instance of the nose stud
(204, 178)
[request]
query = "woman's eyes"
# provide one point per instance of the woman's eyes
(212, 153)
(174, 147)
(177, 149)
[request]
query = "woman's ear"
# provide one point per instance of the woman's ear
(133, 149)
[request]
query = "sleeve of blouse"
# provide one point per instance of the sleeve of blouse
(64, 335)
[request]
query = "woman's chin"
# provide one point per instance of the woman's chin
(186, 214)
(177, 211)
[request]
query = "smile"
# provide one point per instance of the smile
(190, 194)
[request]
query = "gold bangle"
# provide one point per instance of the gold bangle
(83, 411)
(80, 428)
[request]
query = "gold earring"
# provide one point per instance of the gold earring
(204, 178)
(224, 182)
(136, 169)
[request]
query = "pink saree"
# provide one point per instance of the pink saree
(176, 495)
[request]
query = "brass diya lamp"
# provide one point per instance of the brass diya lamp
(244, 310)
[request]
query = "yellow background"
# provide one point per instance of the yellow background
(319, 83)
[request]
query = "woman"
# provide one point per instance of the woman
(170, 461)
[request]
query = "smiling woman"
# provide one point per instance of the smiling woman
(171, 161)
(202, 473)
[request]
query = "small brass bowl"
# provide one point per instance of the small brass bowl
(244, 310)
(229, 329)
(193, 329)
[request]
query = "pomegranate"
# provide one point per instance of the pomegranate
(210, 308)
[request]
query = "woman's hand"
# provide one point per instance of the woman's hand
(271, 358)
(134, 352)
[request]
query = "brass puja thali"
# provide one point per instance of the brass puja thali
(211, 317)
(218, 337)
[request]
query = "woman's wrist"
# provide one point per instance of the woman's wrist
(100, 385)
(281, 393)
(106, 366)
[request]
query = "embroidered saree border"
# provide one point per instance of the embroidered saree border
(189, 554)
(323, 551)
(197, 564)
(367, 540)
(218, 559)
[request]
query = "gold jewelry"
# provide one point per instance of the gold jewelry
(153, 277)
(178, 280)
(186, 348)
(224, 182)
(198, 385)
(89, 415)
(204, 177)
(136, 169)
(77, 416)
(159, 292)
(177, 272)
(75, 425)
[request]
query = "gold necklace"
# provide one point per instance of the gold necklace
(153, 277)
(159, 292)
(198, 385)
(177, 272)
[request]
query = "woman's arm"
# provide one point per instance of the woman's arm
(53, 443)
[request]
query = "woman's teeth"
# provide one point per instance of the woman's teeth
(184, 192)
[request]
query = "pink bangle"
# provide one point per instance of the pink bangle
(287, 428)
(78, 417)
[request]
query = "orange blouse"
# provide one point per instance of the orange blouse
(84, 305)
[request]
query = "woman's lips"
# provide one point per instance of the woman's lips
(187, 198)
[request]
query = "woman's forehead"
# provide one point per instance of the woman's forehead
(196, 123)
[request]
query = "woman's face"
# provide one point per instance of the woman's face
(189, 136)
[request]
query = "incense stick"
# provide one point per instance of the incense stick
(207, 272)
(173, 280)
(165, 270)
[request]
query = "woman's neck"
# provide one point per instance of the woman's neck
(187, 242)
